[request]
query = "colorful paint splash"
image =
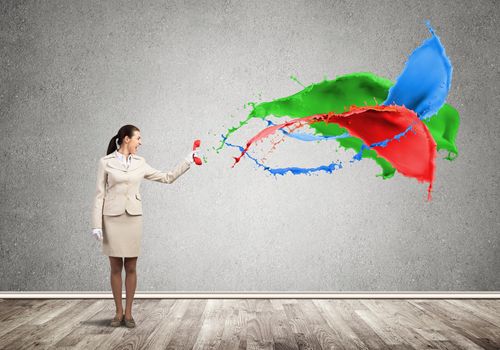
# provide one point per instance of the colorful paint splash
(412, 155)
(347, 109)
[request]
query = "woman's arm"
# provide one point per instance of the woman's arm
(168, 176)
(99, 196)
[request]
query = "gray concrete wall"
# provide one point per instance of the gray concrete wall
(74, 72)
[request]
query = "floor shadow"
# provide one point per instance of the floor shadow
(97, 323)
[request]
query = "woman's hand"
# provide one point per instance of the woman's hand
(97, 233)
(192, 154)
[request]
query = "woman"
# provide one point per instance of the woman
(117, 211)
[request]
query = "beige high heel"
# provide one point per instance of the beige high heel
(129, 323)
(117, 322)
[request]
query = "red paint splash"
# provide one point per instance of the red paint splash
(413, 154)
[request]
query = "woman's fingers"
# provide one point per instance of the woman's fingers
(97, 234)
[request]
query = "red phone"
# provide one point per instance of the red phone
(196, 144)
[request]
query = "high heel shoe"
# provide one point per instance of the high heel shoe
(117, 322)
(129, 323)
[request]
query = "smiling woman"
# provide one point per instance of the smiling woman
(117, 210)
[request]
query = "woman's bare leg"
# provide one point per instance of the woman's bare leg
(130, 284)
(116, 283)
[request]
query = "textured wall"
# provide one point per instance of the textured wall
(73, 73)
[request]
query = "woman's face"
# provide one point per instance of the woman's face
(132, 144)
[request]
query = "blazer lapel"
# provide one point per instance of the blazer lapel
(116, 164)
(136, 162)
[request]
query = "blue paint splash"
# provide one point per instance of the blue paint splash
(294, 170)
(425, 81)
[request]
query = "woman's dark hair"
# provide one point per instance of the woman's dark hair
(126, 130)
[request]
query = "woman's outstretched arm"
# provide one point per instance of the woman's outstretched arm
(167, 176)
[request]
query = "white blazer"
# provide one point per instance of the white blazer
(117, 187)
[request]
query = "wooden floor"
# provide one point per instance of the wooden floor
(253, 324)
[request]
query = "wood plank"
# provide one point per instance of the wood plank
(344, 337)
(52, 313)
(453, 333)
(187, 331)
(305, 333)
(235, 327)
(437, 325)
(49, 333)
(393, 317)
(10, 309)
(9, 339)
(431, 329)
(478, 310)
(283, 337)
(210, 334)
(484, 330)
(164, 331)
(362, 330)
(21, 327)
(410, 318)
(259, 335)
(26, 314)
(328, 333)
(385, 330)
(493, 304)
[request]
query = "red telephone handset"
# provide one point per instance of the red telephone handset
(196, 144)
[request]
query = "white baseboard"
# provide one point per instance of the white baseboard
(256, 295)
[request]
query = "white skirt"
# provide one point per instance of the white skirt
(122, 235)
